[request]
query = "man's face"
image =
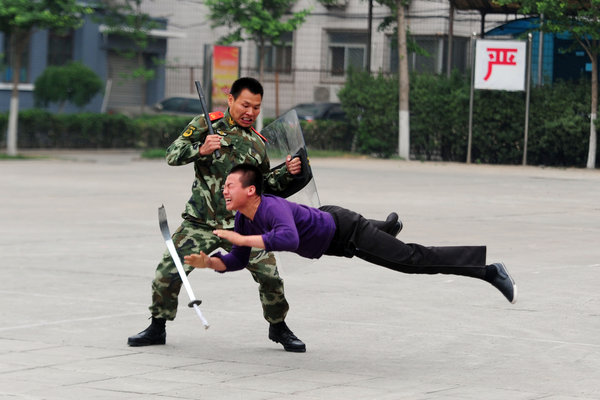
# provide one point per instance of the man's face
(235, 195)
(245, 108)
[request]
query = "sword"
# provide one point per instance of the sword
(205, 112)
(164, 228)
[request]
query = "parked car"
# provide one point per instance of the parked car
(179, 106)
(314, 111)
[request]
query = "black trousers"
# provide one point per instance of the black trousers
(357, 236)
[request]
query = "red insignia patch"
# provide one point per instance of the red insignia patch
(215, 115)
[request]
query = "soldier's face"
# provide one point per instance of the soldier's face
(245, 109)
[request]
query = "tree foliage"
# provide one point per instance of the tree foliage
(73, 82)
(263, 21)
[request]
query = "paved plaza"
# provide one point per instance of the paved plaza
(79, 242)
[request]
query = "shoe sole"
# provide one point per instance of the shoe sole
(514, 285)
(137, 344)
(292, 349)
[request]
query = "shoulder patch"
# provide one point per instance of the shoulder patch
(261, 136)
(215, 115)
(189, 131)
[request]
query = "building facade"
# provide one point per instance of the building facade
(310, 66)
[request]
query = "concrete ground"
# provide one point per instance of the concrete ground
(79, 241)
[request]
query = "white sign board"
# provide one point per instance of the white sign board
(500, 64)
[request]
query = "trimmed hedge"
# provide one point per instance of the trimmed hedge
(558, 120)
(41, 129)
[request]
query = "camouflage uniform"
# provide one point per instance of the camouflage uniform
(206, 211)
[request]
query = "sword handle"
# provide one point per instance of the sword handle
(204, 321)
(205, 112)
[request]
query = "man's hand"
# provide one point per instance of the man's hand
(198, 260)
(293, 166)
(210, 145)
(230, 236)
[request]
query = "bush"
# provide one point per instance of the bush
(371, 102)
(439, 117)
(74, 82)
(158, 131)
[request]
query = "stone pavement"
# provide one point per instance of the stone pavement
(79, 241)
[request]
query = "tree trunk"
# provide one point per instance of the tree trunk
(142, 79)
(591, 161)
(404, 121)
(18, 41)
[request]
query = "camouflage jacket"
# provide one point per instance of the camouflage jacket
(238, 145)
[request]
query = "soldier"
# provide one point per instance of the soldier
(235, 142)
(275, 224)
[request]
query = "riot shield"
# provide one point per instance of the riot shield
(284, 136)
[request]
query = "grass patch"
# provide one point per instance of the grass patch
(333, 154)
(153, 153)
(17, 157)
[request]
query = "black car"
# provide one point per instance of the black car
(179, 106)
(314, 111)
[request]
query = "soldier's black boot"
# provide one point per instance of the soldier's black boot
(392, 225)
(154, 334)
(280, 333)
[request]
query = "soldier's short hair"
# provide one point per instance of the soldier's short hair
(246, 82)
(250, 176)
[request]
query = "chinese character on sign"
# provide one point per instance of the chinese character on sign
(500, 64)
(499, 57)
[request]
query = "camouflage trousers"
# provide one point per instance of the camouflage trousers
(192, 238)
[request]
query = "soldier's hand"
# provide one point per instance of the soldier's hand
(211, 143)
(294, 166)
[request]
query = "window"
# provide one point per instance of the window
(5, 65)
(345, 50)
(60, 48)
(278, 58)
(435, 59)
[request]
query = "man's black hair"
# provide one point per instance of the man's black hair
(246, 82)
(250, 176)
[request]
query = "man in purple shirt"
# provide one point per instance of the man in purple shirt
(275, 224)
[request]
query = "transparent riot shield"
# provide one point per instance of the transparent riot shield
(284, 136)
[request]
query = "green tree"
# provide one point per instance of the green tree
(581, 19)
(18, 19)
(73, 82)
(125, 19)
(262, 21)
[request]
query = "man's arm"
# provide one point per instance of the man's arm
(193, 144)
(240, 240)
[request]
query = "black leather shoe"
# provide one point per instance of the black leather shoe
(154, 334)
(498, 275)
(280, 333)
(392, 224)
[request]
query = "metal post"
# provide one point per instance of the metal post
(527, 90)
(369, 35)
(472, 94)
(540, 69)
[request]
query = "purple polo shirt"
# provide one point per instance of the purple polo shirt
(284, 226)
